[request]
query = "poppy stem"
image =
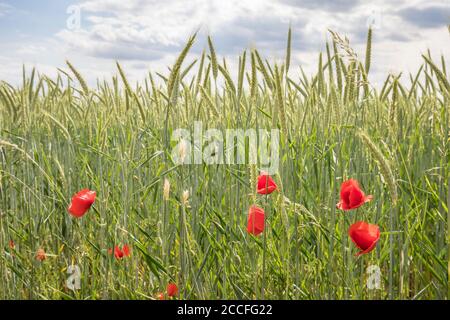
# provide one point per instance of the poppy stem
(344, 255)
(391, 251)
(264, 251)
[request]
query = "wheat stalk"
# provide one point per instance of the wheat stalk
(80, 79)
(383, 164)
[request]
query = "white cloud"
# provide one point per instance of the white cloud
(149, 34)
(165, 26)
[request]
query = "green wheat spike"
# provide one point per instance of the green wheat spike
(368, 51)
(80, 79)
(213, 56)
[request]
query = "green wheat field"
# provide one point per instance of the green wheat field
(58, 136)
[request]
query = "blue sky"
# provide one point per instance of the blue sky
(147, 35)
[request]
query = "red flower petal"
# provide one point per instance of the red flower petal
(126, 250)
(255, 222)
(266, 185)
(118, 253)
(172, 289)
(364, 235)
(356, 197)
(81, 202)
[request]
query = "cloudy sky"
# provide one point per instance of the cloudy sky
(148, 34)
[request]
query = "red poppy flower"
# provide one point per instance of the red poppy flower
(352, 196)
(364, 235)
(172, 289)
(120, 253)
(81, 202)
(40, 255)
(255, 223)
(11, 244)
(266, 185)
(160, 296)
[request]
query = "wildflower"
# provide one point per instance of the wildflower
(255, 223)
(160, 296)
(81, 202)
(352, 196)
(172, 289)
(266, 185)
(11, 244)
(120, 253)
(40, 255)
(364, 235)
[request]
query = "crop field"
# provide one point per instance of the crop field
(158, 228)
